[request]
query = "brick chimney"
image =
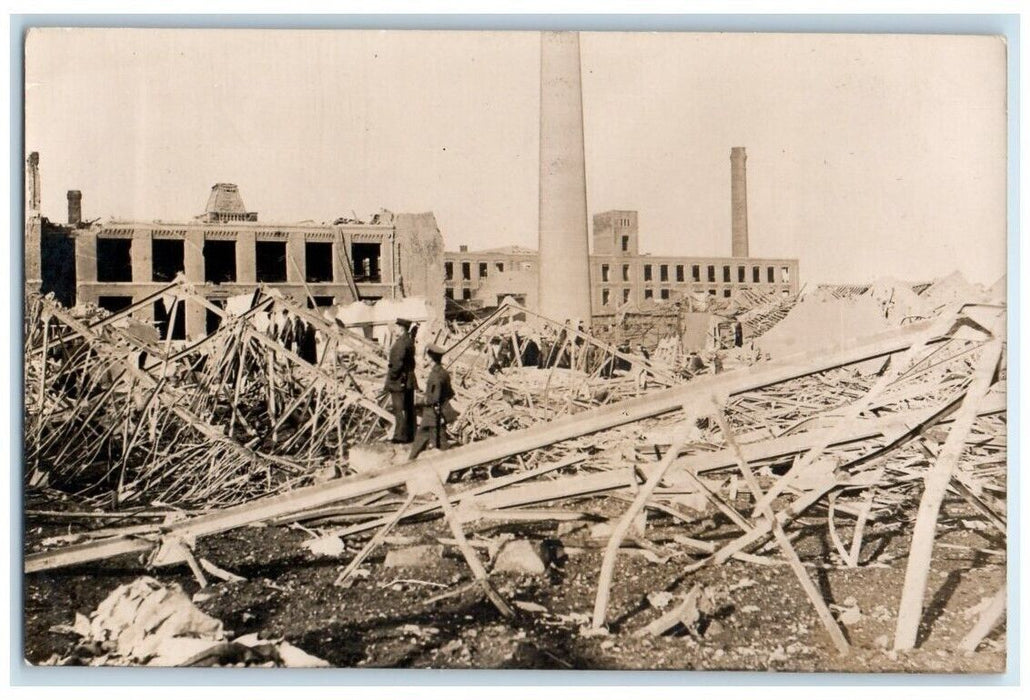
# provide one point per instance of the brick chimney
(74, 207)
(738, 197)
(563, 239)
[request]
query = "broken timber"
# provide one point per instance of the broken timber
(587, 422)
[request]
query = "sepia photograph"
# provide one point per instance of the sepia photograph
(564, 350)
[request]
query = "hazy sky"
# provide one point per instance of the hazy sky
(867, 155)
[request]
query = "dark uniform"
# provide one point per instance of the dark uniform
(436, 412)
(400, 382)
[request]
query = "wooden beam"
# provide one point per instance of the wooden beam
(937, 478)
(989, 618)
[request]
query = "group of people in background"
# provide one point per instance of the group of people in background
(296, 335)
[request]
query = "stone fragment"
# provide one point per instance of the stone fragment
(520, 556)
(412, 557)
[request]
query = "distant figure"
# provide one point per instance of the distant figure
(400, 382)
(285, 329)
(307, 346)
(695, 364)
(738, 334)
(493, 350)
(436, 411)
(530, 353)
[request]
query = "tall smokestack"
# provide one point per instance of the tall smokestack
(564, 283)
(74, 207)
(738, 195)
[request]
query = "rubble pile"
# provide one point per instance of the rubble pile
(118, 417)
(849, 438)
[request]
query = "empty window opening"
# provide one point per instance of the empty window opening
(625, 296)
(448, 270)
(679, 273)
(726, 293)
(647, 273)
(604, 273)
(499, 266)
(220, 261)
(756, 274)
(741, 274)
(770, 274)
(725, 273)
(114, 304)
(466, 294)
(625, 273)
(663, 273)
(711, 292)
(625, 244)
(606, 297)
(665, 294)
(711, 273)
(695, 273)
(484, 269)
(168, 256)
(448, 293)
(784, 274)
(214, 320)
(649, 293)
(163, 315)
(318, 262)
(366, 261)
(114, 260)
(318, 302)
(270, 261)
(466, 271)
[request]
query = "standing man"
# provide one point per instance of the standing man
(400, 382)
(436, 411)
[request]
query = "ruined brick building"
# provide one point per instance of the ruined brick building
(227, 251)
(619, 273)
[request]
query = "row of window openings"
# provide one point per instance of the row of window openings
(466, 270)
(663, 271)
(163, 315)
(466, 293)
(114, 261)
(695, 273)
(665, 294)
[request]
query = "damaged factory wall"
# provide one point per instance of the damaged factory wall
(420, 248)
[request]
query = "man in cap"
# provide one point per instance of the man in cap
(436, 411)
(400, 382)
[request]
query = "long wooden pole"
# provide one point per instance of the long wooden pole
(937, 478)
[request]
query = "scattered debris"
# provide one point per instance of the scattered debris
(149, 623)
(571, 449)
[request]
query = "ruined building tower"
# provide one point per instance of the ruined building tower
(74, 207)
(33, 224)
(564, 275)
(738, 196)
(32, 185)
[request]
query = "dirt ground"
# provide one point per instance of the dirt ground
(762, 620)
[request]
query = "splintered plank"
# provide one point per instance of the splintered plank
(936, 480)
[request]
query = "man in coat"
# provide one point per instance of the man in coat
(400, 382)
(436, 411)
